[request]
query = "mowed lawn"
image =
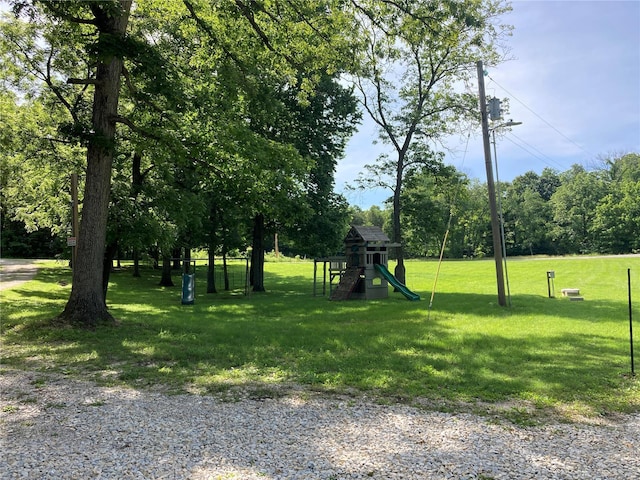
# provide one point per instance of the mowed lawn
(549, 353)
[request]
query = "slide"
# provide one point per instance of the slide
(394, 281)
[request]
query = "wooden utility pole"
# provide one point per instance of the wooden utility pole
(495, 228)
(74, 218)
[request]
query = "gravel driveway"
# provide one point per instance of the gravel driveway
(53, 427)
(14, 272)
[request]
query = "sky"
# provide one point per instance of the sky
(573, 81)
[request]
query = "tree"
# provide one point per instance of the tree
(431, 208)
(616, 224)
(269, 72)
(37, 153)
(473, 230)
(413, 54)
(166, 62)
(574, 206)
(86, 304)
(319, 130)
(528, 214)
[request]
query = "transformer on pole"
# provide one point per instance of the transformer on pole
(495, 108)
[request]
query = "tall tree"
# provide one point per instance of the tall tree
(413, 55)
(616, 224)
(431, 208)
(86, 304)
(527, 215)
(39, 110)
(574, 207)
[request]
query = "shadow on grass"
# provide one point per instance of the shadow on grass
(543, 350)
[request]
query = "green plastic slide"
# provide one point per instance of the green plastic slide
(396, 284)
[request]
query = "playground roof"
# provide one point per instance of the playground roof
(367, 234)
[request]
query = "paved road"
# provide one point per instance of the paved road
(14, 272)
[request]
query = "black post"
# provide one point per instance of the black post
(630, 321)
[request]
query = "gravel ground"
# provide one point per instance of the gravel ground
(14, 272)
(53, 427)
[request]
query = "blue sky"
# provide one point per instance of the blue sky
(573, 82)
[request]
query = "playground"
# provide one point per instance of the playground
(362, 272)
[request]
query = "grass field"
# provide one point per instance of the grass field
(548, 354)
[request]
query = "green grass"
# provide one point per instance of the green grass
(549, 355)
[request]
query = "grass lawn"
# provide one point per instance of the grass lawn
(550, 354)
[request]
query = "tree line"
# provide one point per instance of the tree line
(582, 210)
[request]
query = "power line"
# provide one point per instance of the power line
(541, 155)
(545, 121)
(466, 148)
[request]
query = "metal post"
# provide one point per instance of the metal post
(633, 372)
(324, 277)
(495, 230)
(315, 270)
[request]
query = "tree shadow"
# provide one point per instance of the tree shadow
(394, 347)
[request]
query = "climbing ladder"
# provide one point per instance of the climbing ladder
(348, 282)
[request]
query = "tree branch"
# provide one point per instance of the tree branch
(248, 14)
(60, 13)
(134, 128)
(82, 81)
(209, 31)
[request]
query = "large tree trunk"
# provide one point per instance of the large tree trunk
(257, 254)
(107, 267)
(86, 305)
(211, 271)
(177, 255)
(165, 280)
(399, 272)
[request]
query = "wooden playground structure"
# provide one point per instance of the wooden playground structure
(362, 272)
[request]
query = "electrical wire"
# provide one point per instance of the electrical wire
(539, 155)
(540, 117)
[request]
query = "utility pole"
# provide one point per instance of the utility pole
(495, 229)
(74, 218)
